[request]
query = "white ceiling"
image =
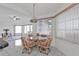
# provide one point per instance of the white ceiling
(26, 9)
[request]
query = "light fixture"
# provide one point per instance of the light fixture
(33, 20)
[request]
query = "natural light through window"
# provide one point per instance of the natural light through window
(18, 43)
(18, 29)
(23, 28)
(28, 28)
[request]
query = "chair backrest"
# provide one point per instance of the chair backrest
(26, 42)
(23, 42)
(49, 40)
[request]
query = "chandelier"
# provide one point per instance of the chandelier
(33, 20)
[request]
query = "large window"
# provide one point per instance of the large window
(23, 29)
(28, 29)
(18, 30)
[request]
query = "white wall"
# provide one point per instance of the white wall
(67, 31)
(6, 22)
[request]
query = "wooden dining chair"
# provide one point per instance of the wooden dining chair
(27, 44)
(44, 45)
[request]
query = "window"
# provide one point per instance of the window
(18, 30)
(28, 29)
(23, 29)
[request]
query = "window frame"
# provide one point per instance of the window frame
(22, 28)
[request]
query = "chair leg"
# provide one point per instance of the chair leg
(23, 50)
(47, 51)
(40, 49)
(29, 50)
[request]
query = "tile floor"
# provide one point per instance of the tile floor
(13, 50)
